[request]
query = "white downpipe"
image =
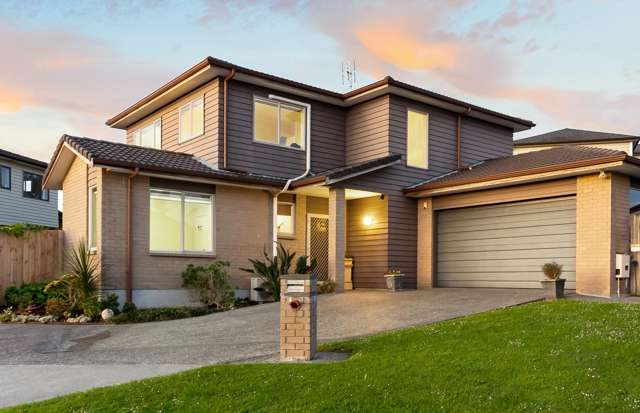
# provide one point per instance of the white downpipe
(307, 148)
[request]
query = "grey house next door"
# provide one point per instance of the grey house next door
(504, 246)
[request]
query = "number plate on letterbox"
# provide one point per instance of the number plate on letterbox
(295, 286)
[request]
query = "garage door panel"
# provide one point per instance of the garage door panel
(504, 246)
(541, 229)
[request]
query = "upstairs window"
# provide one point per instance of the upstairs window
(417, 139)
(5, 177)
(32, 187)
(286, 219)
(279, 123)
(191, 120)
(149, 136)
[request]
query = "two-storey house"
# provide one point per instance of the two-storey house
(223, 161)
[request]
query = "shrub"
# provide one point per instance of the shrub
(27, 296)
(91, 307)
(18, 230)
(272, 268)
(56, 306)
(325, 287)
(552, 270)
(6, 315)
(129, 308)
(210, 283)
(146, 315)
(111, 303)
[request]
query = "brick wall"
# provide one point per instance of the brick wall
(75, 205)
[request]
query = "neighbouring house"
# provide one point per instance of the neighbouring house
(222, 161)
(22, 198)
(579, 137)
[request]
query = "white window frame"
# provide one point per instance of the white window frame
(189, 105)
(293, 219)
(156, 123)
(279, 103)
(427, 141)
(182, 251)
(90, 239)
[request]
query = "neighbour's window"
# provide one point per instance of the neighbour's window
(149, 136)
(279, 123)
(634, 197)
(191, 120)
(417, 139)
(32, 187)
(180, 222)
(93, 218)
(5, 177)
(286, 218)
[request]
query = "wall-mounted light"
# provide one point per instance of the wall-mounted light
(367, 220)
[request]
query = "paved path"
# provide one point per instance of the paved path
(43, 361)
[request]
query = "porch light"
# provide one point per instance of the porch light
(367, 220)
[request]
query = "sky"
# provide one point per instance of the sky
(68, 66)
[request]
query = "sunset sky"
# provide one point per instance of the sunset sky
(68, 66)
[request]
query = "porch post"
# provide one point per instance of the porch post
(337, 237)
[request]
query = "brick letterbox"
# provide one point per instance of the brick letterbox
(298, 317)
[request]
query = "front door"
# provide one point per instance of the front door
(318, 243)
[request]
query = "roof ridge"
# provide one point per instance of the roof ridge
(127, 145)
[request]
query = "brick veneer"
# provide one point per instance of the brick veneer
(298, 327)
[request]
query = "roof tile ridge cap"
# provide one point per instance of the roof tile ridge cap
(133, 146)
(205, 163)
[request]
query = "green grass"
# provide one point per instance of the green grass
(548, 356)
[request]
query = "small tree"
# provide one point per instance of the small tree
(210, 283)
(552, 270)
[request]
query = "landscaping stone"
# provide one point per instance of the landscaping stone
(46, 319)
(83, 319)
(33, 317)
(107, 314)
(19, 318)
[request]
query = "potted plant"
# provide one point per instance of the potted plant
(553, 286)
(394, 279)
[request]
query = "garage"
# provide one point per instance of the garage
(504, 245)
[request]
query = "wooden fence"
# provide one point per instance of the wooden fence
(35, 257)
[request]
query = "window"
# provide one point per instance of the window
(192, 120)
(286, 218)
(93, 218)
(5, 177)
(32, 187)
(279, 123)
(634, 197)
(149, 136)
(180, 222)
(417, 139)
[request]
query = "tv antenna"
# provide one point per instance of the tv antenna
(349, 73)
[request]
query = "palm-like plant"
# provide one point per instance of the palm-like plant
(80, 283)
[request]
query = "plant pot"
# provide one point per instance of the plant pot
(394, 282)
(553, 289)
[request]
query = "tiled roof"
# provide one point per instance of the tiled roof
(114, 154)
(572, 136)
(547, 160)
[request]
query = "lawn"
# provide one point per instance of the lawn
(546, 356)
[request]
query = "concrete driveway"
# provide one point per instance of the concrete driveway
(43, 361)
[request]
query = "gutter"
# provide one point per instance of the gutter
(129, 273)
(225, 117)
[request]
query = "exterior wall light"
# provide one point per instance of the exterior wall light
(367, 220)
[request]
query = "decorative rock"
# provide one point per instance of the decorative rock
(19, 319)
(106, 314)
(72, 320)
(83, 319)
(46, 319)
(33, 317)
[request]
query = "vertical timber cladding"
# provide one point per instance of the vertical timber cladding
(504, 245)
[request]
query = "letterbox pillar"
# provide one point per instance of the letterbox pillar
(298, 317)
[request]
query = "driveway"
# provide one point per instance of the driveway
(43, 361)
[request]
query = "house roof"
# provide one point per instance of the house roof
(21, 158)
(119, 155)
(210, 68)
(548, 160)
(568, 135)
(349, 171)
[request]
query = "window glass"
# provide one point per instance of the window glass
(165, 221)
(192, 119)
(286, 219)
(266, 122)
(198, 234)
(93, 217)
(634, 197)
(417, 139)
(32, 186)
(149, 136)
(5, 177)
(291, 123)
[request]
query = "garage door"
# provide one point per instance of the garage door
(504, 246)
